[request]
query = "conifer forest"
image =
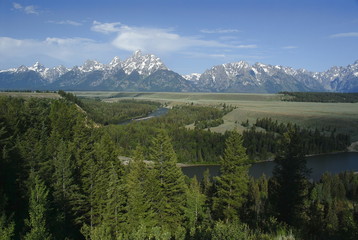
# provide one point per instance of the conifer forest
(68, 170)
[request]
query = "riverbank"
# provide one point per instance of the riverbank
(331, 163)
(353, 147)
(183, 165)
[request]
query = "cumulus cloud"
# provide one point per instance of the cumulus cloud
(121, 38)
(67, 22)
(219, 31)
(157, 40)
(26, 9)
(343, 35)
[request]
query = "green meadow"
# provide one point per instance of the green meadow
(342, 116)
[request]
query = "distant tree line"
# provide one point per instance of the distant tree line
(191, 145)
(263, 144)
(325, 97)
(114, 112)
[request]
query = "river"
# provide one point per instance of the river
(157, 113)
(333, 163)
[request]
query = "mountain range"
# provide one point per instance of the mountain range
(148, 73)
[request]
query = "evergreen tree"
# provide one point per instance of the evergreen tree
(289, 184)
(170, 199)
(6, 228)
(37, 211)
(104, 191)
(232, 184)
(195, 206)
(256, 204)
(64, 188)
(138, 212)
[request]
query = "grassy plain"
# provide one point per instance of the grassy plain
(342, 116)
(31, 94)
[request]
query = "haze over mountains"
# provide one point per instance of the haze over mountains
(148, 73)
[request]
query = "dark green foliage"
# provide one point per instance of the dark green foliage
(229, 231)
(138, 210)
(196, 209)
(81, 189)
(232, 184)
(38, 206)
(7, 228)
(70, 97)
(169, 202)
(257, 202)
(117, 112)
(320, 97)
(190, 145)
(208, 123)
(332, 209)
(289, 184)
(265, 144)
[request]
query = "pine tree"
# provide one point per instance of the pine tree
(170, 199)
(195, 205)
(7, 226)
(65, 190)
(37, 210)
(104, 191)
(232, 184)
(138, 212)
(289, 184)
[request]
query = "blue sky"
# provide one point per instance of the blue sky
(188, 35)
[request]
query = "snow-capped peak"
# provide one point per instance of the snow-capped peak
(115, 63)
(91, 65)
(232, 69)
(137, 54)
(192, 77)
(37, 67)
(143, 64)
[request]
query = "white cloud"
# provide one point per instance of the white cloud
(31, 9)
(342, 35)
(67, 22)
(74, 51)
(156, 40)
(106, 27)
(289, 47)
(246, 46)
(220, 31)
(17, 6)
(69, 51)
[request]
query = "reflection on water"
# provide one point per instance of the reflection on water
(333, 163)
(157, 113)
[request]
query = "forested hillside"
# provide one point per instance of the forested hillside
(61, 178)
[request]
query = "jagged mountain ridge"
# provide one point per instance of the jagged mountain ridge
(137, 73)
(148, 73)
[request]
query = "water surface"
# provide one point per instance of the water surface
(332, 163)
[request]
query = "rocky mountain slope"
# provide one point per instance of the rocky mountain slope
(148, 73)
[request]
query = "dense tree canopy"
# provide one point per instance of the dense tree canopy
(63, 177)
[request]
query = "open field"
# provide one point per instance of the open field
(177, 98)
(31, 94)
(342, 116)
